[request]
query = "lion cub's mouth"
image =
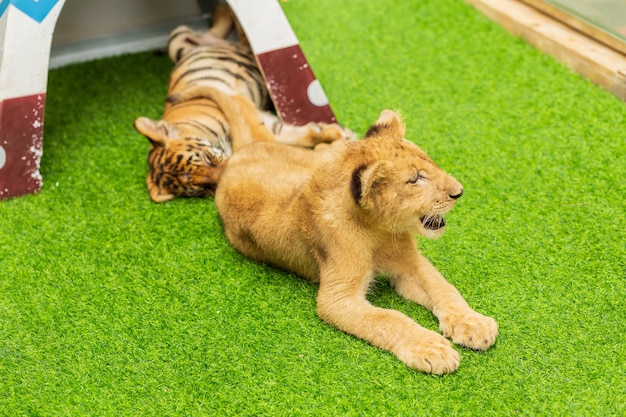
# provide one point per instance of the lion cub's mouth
(433, 221)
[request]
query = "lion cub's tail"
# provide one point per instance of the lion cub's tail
(240, 112)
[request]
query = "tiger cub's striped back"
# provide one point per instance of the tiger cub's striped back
(218, 63)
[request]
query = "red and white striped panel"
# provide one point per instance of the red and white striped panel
(26, 29)
(297, 95)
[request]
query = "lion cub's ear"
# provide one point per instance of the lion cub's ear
(389, 124)
(365, 181)
(157, 132)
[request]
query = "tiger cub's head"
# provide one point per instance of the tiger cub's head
(181, 164)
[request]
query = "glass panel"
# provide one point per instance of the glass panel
(604, 20)
(609, 15)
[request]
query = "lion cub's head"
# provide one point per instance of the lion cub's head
(395, 185)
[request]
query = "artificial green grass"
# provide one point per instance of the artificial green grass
(113, 305)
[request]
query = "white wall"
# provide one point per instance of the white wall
(92, 29)
(82, 20)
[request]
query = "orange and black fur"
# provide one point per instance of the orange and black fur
(193, 140)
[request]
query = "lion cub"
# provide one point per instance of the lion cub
(339, 216)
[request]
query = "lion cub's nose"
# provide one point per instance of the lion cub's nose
(455, 196)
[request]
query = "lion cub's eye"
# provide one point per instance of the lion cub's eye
(417, 177)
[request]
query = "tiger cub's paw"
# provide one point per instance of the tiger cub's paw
(470, 329)
(326, 133)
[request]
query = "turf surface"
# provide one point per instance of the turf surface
(113, 305)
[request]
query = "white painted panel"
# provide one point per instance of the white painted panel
(265, 23)
(83, 20)
(25, 53)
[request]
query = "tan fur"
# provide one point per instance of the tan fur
(343, 214)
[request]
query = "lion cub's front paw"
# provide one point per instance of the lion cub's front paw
(325, 133)
(470, 329)
(432, 354)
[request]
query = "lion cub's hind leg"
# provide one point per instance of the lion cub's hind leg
(266, 126)
(243, 117)
(308, 135)
(251, 116)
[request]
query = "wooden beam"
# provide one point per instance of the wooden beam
(602, 65)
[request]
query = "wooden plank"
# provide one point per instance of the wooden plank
(602, 65)
(580, 24)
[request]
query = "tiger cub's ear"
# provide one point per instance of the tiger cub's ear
(389, 124)
(157, 194)
(157, 132)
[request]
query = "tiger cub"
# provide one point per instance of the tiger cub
(193, 140)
